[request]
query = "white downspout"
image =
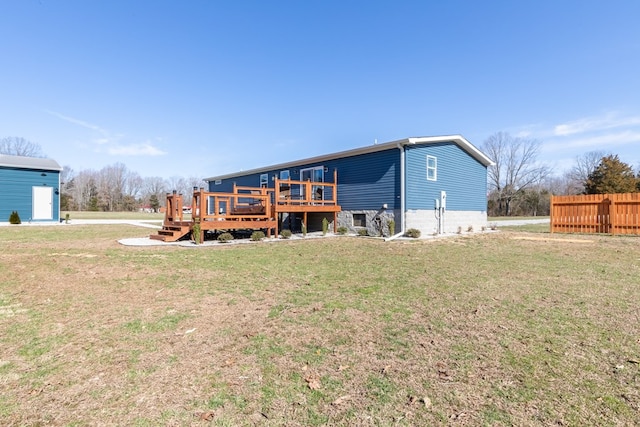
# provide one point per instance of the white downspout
(403, 216)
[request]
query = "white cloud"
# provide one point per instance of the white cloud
(78, 122)
(144, 149)
(110, 143)
(605, 140)
(594, 124)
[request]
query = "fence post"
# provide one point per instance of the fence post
(612, 213)
(551, 214)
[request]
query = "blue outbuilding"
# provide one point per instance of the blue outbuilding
(434, 184)
(29, 186)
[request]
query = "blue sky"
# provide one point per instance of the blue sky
(202, 88)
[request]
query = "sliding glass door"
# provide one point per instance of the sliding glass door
(314, 175)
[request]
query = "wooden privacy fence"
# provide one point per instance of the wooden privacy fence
(596, 213)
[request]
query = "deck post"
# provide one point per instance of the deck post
(304, 221)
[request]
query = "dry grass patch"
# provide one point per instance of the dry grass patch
(481, 330)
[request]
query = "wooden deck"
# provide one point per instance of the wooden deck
(307, 197)
(248, 208)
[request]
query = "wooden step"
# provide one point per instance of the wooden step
(171, 233)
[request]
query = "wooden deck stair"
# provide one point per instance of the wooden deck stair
(172, 232)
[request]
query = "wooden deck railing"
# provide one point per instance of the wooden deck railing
(596, 213)
(173, 213)
(288, 192)
(249, 207)
(244, 202)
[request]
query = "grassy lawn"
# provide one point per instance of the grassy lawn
(532, 228)
(508, 328)
(509, 218)
(112, 215)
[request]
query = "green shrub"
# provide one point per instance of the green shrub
(257, 236)
(14, 218)
(343, 230)
(225, 237)
(413, 233)
(304, 230)
(286, 234)
(363, 232)
(196, 233)
(325, 226)
(391, 224)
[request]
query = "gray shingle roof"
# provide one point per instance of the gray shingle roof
(29, 163)
(456, 139)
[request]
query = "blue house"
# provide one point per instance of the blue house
(30, 186)
(434, 184)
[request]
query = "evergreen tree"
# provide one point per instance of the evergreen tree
(154, 202)
(611, 176)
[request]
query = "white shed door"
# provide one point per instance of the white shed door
(42, 203)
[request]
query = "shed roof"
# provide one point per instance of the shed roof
(457, 139)
(23, 162)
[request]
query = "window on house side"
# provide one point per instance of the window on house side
(359, 220)
(284, 175)
(432, 168)
(264, 180)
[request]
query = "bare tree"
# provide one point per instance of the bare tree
(133, 183)
(66, 182)
(154, 186)
(17, 146)
(66, 175)
(111, 183)
(563, 184)
(115, 188)
(515, 169)
(584, 166)
(82, 188)
(185, 187)
(179, 184)
(193, 182)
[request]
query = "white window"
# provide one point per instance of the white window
(284, 174)
(264, 180)
(432, 168)
(217, 182)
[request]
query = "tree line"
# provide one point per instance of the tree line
(518, 183)
(111, 189)
(115, 188)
